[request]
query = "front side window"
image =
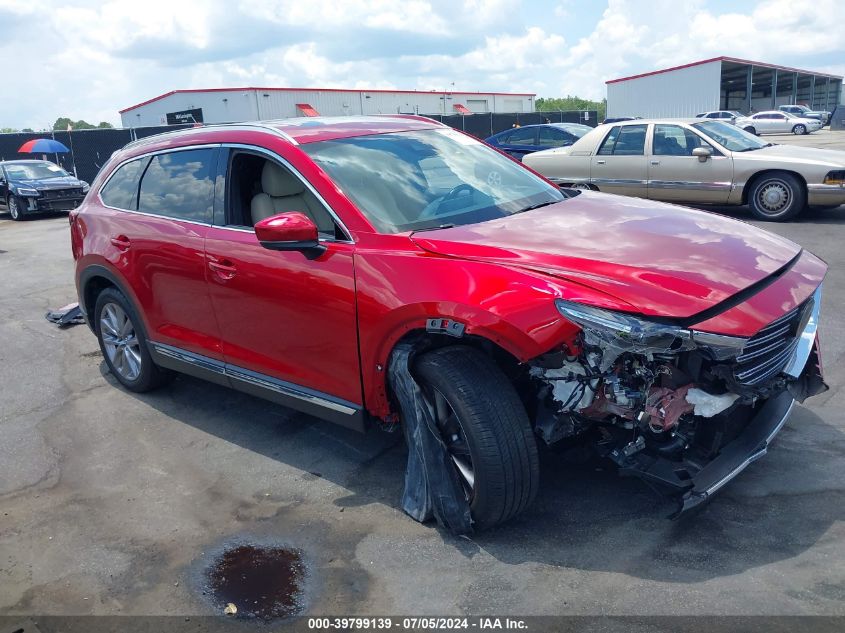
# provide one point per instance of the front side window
(179, 185)
(522, 137)
(411, 181)
(674, 140)
(121, 191)
(550, 137)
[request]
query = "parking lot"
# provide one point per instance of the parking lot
(113, 502)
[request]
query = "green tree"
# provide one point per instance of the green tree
(104, 124)
(7, 130)
(63, 121)
(558, 104)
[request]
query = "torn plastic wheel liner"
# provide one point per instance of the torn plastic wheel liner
(71, 314)
(432, 484)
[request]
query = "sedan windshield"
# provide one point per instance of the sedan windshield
(34, 171)
(730, 136)
(411, 181)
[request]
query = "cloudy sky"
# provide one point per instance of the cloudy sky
(87, 60)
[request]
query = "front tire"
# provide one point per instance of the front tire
(799, 129)
(123, 343)
(486, 431)
(15, 206)
(777, 196)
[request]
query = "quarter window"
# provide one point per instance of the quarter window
(121, 191)
(179, 185)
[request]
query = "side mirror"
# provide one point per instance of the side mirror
(703, 154)
(292, 231)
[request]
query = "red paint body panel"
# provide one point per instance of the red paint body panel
(660, 259)
(330, 323)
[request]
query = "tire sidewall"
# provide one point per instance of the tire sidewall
(149, 374)
(799, 129)
(15, 203)
(751, 130)
(796, 192)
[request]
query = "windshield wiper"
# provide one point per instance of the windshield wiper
(537, 206)
(434, 228)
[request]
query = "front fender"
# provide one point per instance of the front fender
(400, 289)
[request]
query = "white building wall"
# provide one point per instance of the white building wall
(222, 106)
(677, 93)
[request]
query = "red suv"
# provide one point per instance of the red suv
(290, 259)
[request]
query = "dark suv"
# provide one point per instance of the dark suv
(38, 186)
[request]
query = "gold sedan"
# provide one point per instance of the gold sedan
(695, 161)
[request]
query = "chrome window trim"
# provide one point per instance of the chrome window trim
(264, 381)
(150, 154)
(274, 156)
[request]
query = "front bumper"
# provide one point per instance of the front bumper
(693, 484)
(43, 205)
(825, 195)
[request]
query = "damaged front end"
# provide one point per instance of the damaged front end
(683, 409)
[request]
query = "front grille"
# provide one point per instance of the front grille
(767, 352)
(54, 194)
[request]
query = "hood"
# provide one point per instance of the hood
(59, 182)
(660, 259)
(789, 153)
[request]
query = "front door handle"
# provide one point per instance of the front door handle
(600, 162)
(121, 242)
(223, 268)
(655, 162)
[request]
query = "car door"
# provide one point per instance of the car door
(287, 319)
(763, 123)
(4, 188)
(780, 123)
(674, 174)
(520, 142)
(619, 166)
(156, 212)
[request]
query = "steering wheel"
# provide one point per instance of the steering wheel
(431, 208)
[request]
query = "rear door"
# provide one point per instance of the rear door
(4, 187)
(156, 230)
(619, 166)
(674, 174)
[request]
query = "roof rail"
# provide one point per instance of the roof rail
(147, 140)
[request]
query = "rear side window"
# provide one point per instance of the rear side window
(625, 140)
(179, 185)
(522, 137)
(121, 191)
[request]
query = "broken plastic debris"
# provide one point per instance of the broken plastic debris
(71, 314)
(230, 609)
(707, 405)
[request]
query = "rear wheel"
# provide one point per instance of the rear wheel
(123, 343)
(485, 429)
(777, 196)
(750, 130)
(15, 208)
(799, 129)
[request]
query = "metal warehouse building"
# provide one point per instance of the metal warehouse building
(721, 83)
(223, 105)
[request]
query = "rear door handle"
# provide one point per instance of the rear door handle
(121, 242)
(223, 268)
(655, 162)
(600, 162)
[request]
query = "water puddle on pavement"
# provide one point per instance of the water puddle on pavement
(261, 582)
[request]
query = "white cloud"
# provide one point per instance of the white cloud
(87, 59)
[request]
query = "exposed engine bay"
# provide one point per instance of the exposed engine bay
(662, 402)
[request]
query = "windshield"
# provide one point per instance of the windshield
(410, 181)
(730, 136)
(34, 171)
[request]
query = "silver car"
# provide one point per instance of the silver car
(698, 161)
(776, 122)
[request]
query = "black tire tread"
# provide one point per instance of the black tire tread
(505, 459)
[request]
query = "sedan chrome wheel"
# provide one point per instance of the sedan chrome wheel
(120, 341)
(14, 208)
(774, 196)
(453, 436)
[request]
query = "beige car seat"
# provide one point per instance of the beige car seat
(283, 192)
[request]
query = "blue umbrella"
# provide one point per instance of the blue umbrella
(43, 146)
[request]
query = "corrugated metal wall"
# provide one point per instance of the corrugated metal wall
(678, 93)
(249, 105)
